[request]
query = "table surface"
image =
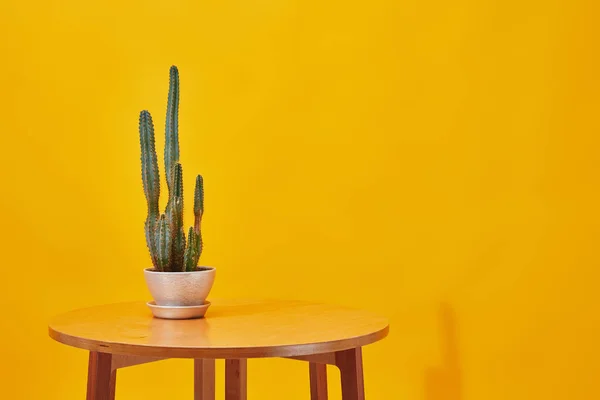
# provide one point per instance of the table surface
(231, 329)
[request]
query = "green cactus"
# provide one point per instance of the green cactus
(198, 211)
(172, 127)
(165, 235)
(150, 179)
(163, 243)
(176, 220)
(190, 251)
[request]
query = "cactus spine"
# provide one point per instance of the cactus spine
(165, 235)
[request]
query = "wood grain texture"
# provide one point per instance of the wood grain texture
(113, 385)
(236, 379)
(231, 329)
(101, 383)
(318, 381)
(351, 370)
(204, 379)
(325, 358)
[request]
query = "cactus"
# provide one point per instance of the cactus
(190, 251)
(150, 179)
(172, 128)
(198, 211)
(165, 235)
(176, 219)
(163, 244)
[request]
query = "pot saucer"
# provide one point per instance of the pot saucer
(178, 312)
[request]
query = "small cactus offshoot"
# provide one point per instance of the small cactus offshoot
(165, 234)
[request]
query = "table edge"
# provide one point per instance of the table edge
(290, 350)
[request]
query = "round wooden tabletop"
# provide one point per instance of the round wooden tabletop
(231, 329)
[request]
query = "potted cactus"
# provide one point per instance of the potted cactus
(174, 280)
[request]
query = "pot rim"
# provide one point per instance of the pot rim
(205, 269)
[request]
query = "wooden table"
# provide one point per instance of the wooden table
(126, 334)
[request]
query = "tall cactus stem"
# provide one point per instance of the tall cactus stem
(172, 128)
(150, 179)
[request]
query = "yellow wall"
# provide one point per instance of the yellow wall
(434, 161)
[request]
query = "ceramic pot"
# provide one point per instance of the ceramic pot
(180, 288)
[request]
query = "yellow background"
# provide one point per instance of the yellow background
(433, 161)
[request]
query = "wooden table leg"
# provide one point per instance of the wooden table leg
(113, 385)
(204, 379)
(236, 379)
(101, 378)
(318, 381)
(351, 370)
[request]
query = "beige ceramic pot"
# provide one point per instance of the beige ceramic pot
(180, 288)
